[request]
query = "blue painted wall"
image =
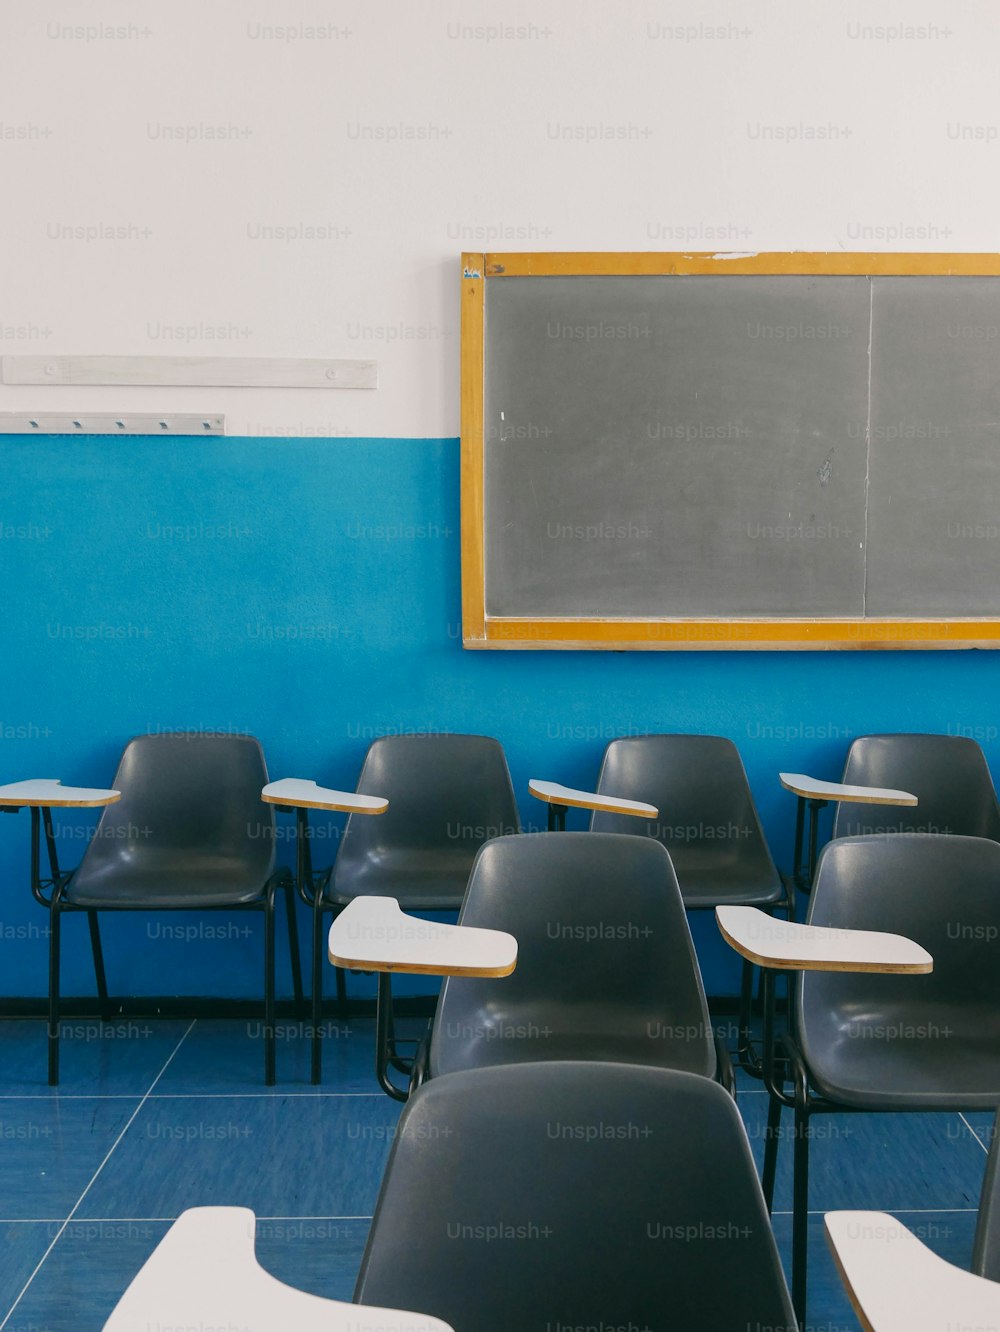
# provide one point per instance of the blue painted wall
(307, 592)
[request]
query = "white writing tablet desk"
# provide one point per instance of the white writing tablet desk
(782, 945)
(42, 795)
(300, 795)
(897, 1284)
(816, 795)
(561, 798)
(204, 1274)
(373, 934)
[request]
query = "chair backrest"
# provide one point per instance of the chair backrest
(447, 794)
(605, 970)
(699, 785)
(941, 891)
(574, 1195)
(948, 774)
(986, 1249)
(188, 799)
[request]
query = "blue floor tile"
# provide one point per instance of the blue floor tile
(119, 1057)
(85, 1275)
(227, 1055)
(309, 1162)
(875, 1160)
(319, 1256)
(290, 1156)
(22, 1247)
(51, 1148)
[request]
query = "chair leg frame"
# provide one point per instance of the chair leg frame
(293, 945)
(386, 1056)
(55, 921)
(779, 1068)
(49, 893)
(99, 974)
(746, 1056)
(316, 1010)
(312, 886)
(269, 1025)
(724, 1066)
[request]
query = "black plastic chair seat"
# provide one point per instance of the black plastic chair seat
(433, 880)
(190, 832)
(447, 795)
(585, 1031)
(188, 884)
(574, 1195)
(913, 1058)
(605, 968)
(908, 1042)
(707, 821)
(948, 774)
(710, 877)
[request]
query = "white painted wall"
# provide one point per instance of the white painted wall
(403, 133)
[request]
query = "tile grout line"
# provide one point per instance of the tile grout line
(973, 1132)
(892, 1211)
(93, 1178)
(145, 1220)
(192, 1096)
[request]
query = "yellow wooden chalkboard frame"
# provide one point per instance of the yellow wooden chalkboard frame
(480, 630)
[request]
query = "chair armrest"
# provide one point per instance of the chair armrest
(204, 1273)
(554, 794)
(813, 789)
(372, 934)
(49, 793)
(785, 946)
(298, 792)
(897, 1284)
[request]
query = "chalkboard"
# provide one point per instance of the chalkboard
(691, 451)
(934, 514)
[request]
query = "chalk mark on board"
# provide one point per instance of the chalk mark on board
(826, 471)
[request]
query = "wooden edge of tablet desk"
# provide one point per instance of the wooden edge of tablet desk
(814, 788)
(813, 951)
(552, 793)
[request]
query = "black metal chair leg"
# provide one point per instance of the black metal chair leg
(341, 991)
(771, 1139)
(293, 947)
(745, 1053)
(385, 1038)
(269, 1033)
(316, 1036)
(800, 1214)
(98, 951)
(53, 1031)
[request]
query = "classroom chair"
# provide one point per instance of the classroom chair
(948, 774)
(204, 1274)
(189, 833)
(574, 1194)
(904, 1040)
(605, 966)
(709, 824)
(896, 783)
(559, 1195)
(446, 795)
